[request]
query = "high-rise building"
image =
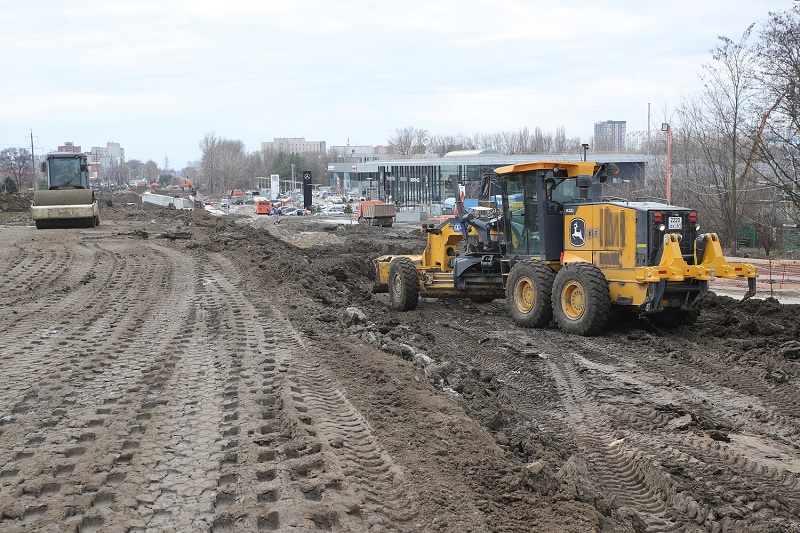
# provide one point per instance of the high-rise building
(106, 159)
(609, 135)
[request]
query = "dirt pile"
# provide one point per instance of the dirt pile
(13, 204)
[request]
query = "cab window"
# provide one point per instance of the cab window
(522, 221)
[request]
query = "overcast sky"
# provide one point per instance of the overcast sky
(157, 76)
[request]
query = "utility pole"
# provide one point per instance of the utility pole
(668, 129)
(648, 128)
(33, 163)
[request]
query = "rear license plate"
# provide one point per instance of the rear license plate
(675, 223)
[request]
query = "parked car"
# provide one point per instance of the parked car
(334, 209)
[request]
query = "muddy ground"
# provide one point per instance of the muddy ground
(175, 371)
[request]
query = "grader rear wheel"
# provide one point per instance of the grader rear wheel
(528, 294)
(581, 301)
(403, 284)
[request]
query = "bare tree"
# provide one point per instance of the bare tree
(538, 141)
(124, 173)
(233, 166)
(521, 142)
(716, 121)
(560, 141)
(407, 141)
(768, 230)
(777, 145)
(317, 164)
(209, 155)
(136, 167)
(151, 171)
(16, 162)
(442, 144)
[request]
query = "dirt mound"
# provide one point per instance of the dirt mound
(12, 205)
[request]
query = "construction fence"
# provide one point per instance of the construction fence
(779, 279)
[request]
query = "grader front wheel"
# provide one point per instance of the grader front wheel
(528, 291)
(403, 284)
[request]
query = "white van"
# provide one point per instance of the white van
(333, 210)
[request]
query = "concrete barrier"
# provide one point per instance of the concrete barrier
(166, 201)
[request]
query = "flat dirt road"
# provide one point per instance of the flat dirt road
(174, 371)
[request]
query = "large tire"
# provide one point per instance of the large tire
(581, 301)
(528, 294)
(403, 284)
(674, 317)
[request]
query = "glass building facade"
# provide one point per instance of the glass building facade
(430, 181)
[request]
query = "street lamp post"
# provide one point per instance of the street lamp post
(585, 149)
(666, 127)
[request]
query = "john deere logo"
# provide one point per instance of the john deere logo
(577, 234)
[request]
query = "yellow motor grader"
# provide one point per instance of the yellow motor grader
(556, 249)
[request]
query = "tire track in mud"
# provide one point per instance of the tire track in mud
(306, 457)
(609, 416)
(627, 473)
(166, 400)
(63, 319)
(30, 272)
(158, 396)
(653, 475)
(751, 404)
(519, 367)
(533, 375)
(746, 470)
(370, 471)
(105, 369)
(758, 408)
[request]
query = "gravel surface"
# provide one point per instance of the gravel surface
(176, 371)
